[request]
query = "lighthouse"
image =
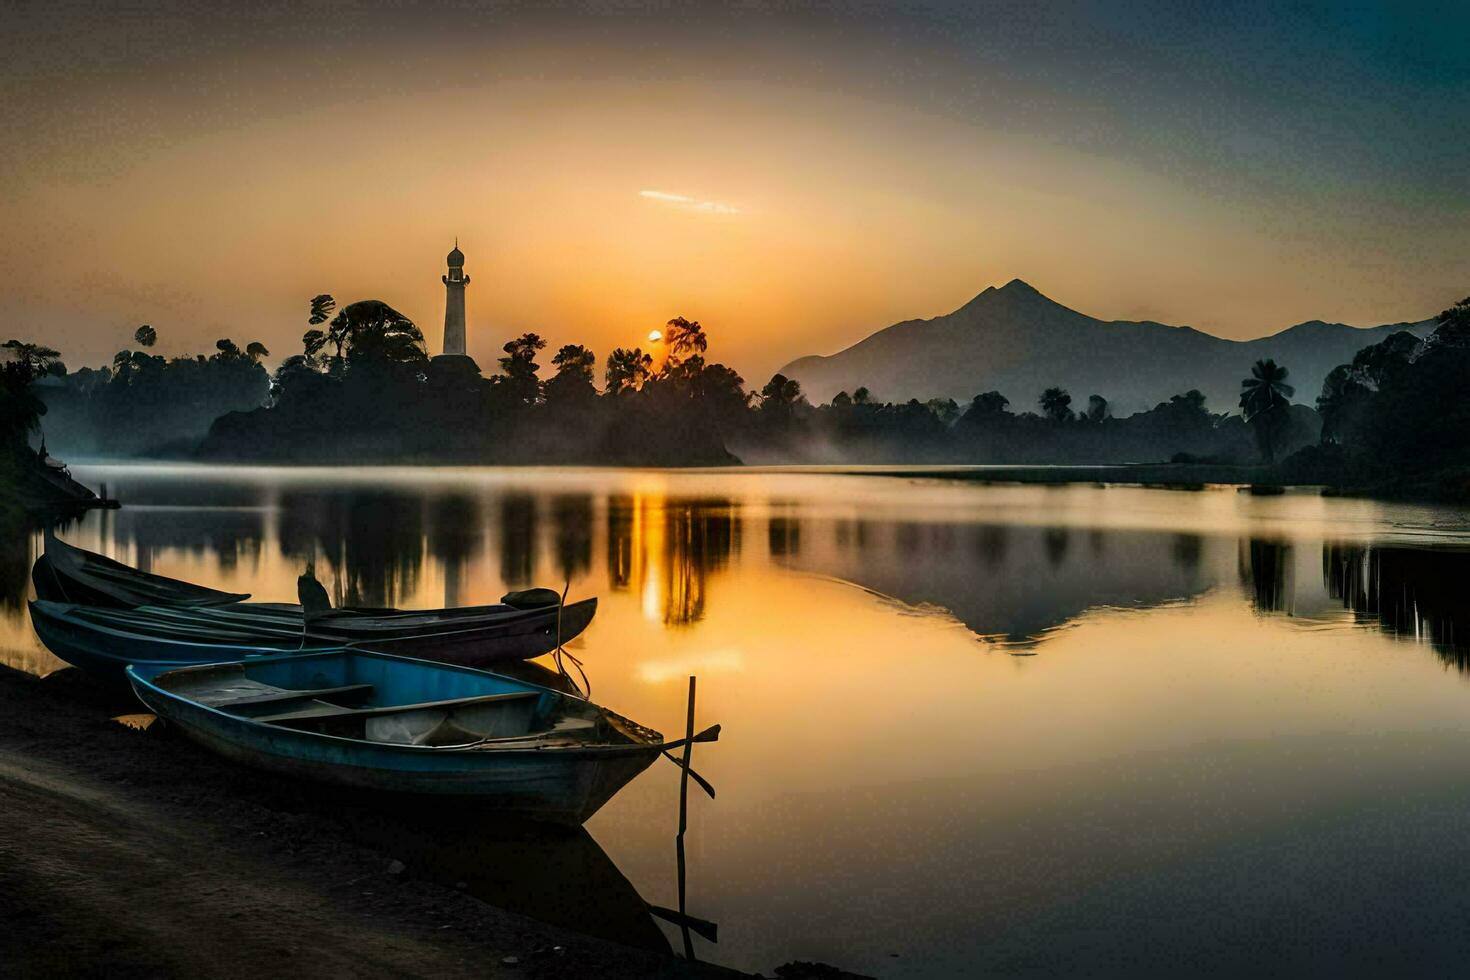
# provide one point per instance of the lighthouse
(454, 283)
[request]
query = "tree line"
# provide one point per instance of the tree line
(364, 388)
(143, 402)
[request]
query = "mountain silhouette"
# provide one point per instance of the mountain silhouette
(1019, 342)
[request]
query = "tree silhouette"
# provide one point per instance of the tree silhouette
(862, 397)
(1056, 404)
(1264, 397)
(946, 410)
(1454, 325)
(988, 405)
(255, 350)
(573, 379)
(627, 370)
(372, 333)
(519, 366)
(780, 393)
(684, 339)
(322, 307)
(146, 336)
(1097, 408)
(20, 408)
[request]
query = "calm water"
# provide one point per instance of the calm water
(967, 728)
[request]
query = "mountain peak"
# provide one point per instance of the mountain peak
(1017, 291)
(1021, 287)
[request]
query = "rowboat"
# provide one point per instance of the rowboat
(377, 722)
(107, 640)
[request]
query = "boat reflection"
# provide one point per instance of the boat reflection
(557, 875)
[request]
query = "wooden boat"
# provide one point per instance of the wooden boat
(384, 723)
(107, 640)
(66, 573)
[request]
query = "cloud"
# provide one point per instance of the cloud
(689, 203)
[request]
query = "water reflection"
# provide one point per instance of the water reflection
(15, 567)
(455, 534)
(1010, 584)
(667, 549)
(1415, 593)
(1158, 668)
(232, 537)
(372, 542)
(1266, 569)
(517, 539)
(571, 515)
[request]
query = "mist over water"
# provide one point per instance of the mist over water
(966, 728)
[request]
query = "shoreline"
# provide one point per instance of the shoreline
(139, 849)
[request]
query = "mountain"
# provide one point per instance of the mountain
(1016, 341)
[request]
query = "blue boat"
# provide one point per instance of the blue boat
(378, 722)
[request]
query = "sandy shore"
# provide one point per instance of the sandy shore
(134, 853)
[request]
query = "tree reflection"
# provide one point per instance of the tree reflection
(517, 539)
(699, 536)
(991, 541)
(1415, 593)
(688, 538)
(15, 566)
(571, 515)
(230, 536)
(1266, 567)
(1057, 540)
(456, 532)
(784, 534)
(372, 541)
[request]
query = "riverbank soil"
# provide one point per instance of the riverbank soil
(129, 852)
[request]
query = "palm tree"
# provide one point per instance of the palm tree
(627, 370)
(1264, 397)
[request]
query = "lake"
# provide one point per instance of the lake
(967, 728)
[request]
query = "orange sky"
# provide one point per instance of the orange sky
(807, 190)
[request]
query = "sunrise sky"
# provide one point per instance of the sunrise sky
(793, 177)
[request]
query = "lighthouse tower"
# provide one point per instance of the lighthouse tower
(454, 283)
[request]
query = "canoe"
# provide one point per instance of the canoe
(376, 722)
(66, 573)
(107, 640)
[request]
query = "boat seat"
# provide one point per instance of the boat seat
(282, 695)
(315, 712)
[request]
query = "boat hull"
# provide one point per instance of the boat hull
(83, 640)
(558, 785)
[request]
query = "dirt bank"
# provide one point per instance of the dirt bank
(126, 852)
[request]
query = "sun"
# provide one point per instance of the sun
(654, 336)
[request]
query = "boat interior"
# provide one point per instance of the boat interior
(380, 699)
